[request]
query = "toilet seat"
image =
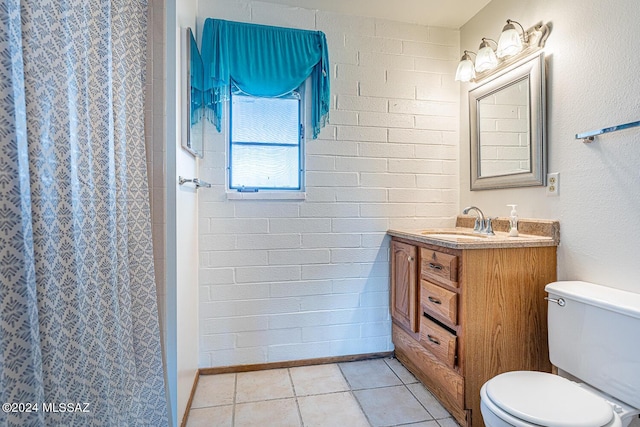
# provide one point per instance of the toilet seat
(548, 400)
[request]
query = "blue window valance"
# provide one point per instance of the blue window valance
(264, 61)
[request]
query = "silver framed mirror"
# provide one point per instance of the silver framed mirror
(508, 127)
(193, 101)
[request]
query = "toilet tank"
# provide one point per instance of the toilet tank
(595, 337)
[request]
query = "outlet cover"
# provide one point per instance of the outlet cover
(553, 184)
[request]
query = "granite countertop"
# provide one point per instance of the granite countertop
(532, 233)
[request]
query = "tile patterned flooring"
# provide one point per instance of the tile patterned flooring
(378, 392)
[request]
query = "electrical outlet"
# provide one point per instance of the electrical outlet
(553, 183)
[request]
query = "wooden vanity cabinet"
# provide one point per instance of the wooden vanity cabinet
(478, 313)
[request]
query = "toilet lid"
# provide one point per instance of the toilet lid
(547, 400)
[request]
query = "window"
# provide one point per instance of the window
(265, 142)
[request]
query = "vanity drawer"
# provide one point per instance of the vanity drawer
(439, 341)
(439, 301)
(439, 266)
(445, 383)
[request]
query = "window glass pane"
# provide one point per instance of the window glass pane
(265, 166)
(264, 120)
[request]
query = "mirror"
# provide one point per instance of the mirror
(507, 127)
(193, 104)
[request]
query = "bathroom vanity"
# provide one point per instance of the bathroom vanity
(466, 307)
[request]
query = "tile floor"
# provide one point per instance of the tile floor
(379, 392)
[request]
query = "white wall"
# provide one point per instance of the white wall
(306, 279)
(591, 83)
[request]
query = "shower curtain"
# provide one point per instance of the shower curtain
(79, 334)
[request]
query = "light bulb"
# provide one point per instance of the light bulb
(509, 42)
(486, 58)
(465, 71)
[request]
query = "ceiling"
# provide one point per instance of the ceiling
(439, 13)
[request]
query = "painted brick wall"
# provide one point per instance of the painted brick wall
(290, 280)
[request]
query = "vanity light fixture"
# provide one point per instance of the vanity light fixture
(466, 70)
(509, 42)
(511, 46)
(486, 58)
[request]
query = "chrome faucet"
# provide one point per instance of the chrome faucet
(479, 226)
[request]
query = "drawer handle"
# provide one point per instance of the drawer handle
(433, 339)
(434, 300)
(435, 266)
(410, 259)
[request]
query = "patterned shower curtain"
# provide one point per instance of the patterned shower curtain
(79, 335)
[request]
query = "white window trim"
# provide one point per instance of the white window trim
(273, 194)
(267, 195)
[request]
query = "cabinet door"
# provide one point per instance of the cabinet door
(404, 287)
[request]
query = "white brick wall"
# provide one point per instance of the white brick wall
(289, 280)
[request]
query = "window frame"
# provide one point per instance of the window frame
(274, 192)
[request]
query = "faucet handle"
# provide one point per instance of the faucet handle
(478, 226)
(488, 228)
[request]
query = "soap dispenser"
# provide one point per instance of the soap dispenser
(513, 221)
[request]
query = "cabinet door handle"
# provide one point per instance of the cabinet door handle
(435, 266)
(434, 300)
(433, 339)
(410, 258)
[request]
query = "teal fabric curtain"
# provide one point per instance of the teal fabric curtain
(264, 61)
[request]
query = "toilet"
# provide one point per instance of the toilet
(594, 341)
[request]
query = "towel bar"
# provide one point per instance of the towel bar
(590, 136)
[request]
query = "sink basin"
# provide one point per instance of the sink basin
(454, 235)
